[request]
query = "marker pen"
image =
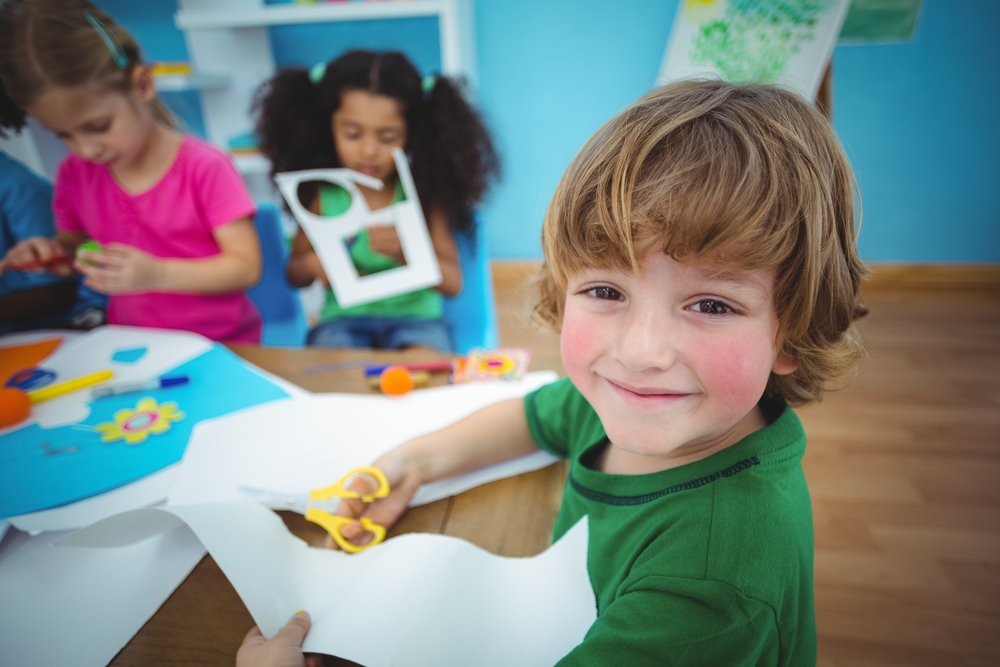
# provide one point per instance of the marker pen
(136, 387)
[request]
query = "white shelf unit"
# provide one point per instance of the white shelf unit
(228, 39)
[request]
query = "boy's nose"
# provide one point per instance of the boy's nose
(647, 340)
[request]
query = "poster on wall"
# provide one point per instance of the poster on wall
(782, 42)
(880, 22)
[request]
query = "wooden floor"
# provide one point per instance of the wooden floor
(904, 471)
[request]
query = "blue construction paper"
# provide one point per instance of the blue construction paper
(129, 356)
(42, 468)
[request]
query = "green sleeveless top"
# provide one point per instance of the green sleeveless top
(424, 304)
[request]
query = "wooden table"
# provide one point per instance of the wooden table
(204, 621)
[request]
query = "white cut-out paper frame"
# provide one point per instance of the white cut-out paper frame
(327, 233)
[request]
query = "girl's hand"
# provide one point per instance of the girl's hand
(403, 481)
(120, 269)
(37, 248)
(282, 650)
(384, 239)
(315, 267)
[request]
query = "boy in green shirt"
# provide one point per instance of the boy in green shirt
(700, 265)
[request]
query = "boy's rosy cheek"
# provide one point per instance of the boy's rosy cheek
(736, 373)
(576, 342)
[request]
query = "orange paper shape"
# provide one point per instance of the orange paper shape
(19, 357)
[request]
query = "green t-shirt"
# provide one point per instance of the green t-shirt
(424, 304)
(706, 564)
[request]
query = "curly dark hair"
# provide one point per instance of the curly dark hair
(11, 115)
(451, 153)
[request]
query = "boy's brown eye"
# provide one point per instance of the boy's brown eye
(712, 307)
(609, 293)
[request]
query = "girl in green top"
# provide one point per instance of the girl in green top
(352, 113)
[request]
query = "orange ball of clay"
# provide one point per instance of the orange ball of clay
(395, 380)
(14, 406)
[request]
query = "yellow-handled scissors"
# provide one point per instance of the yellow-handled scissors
(373, 485)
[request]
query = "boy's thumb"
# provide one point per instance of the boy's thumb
(297, 628)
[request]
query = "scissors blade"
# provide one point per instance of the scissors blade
(277, 500)
(296, 502)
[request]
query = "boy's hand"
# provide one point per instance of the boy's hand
(37, 248)
(384, 239)
(403, 483)
(120, 269)
(282, 650)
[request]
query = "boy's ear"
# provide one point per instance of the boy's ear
(784, 364)
(143, 84)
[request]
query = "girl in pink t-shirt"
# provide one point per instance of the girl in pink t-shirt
(172, 216)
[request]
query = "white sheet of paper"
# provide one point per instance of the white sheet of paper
(711, 40)
(442, 600)
(293, 445)
(327, 234)
(81, 606)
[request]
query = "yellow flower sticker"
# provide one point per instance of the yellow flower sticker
(136, 425)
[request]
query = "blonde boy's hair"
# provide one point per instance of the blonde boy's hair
(752, 174)
(66, 43)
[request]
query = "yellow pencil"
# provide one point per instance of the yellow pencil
(46, 393)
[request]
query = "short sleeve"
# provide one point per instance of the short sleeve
(559, 417)
(222, 195)
(680, 622)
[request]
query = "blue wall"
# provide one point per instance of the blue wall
(920, 122)
(918, 119)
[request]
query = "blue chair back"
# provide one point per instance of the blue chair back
(473, 313)
(277, 301)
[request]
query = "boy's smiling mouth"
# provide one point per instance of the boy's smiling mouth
(645, 397)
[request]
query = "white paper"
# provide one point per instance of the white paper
(81, 606)
(294, 445)
(442, 600)
(753, 42)
(327, 234)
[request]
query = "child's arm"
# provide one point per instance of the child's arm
(122, 269)
(303, 263)
(42, 248)
(496, 433)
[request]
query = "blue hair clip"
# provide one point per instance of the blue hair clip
(427, 84)
(317, 73)
(114, 46)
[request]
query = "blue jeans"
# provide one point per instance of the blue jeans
(382, 333)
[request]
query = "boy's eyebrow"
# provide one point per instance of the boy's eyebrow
(734, 276)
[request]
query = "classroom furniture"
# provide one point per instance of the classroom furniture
(277, 301)
(228, 42)
(473, 312)
(204, 621)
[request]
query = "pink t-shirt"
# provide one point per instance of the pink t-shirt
(174, 219)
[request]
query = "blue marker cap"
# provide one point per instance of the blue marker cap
(174, 381)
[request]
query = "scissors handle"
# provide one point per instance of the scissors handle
(333, 525)
(338, 490)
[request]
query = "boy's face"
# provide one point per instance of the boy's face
(674, 361)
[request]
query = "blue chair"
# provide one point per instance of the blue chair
(473, 313)
(277, 301)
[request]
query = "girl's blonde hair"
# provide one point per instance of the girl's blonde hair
(65, 43)
(750, 173)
